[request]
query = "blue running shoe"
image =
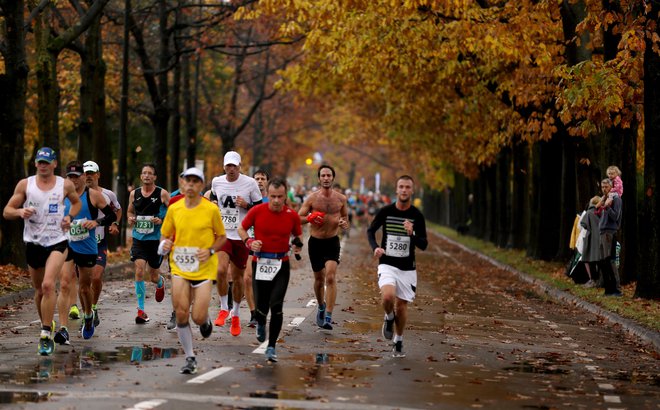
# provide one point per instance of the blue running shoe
(261, 332)
(88, 327)
(320, 315)
(46, 346)
(270, 354)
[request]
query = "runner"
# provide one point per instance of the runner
(192, 233)
(235, 193)
(262, 177)
(273, 223)
(327, 211)
(404, 228)
(147, 206)
(92, 175)
(39, 201)
(83, 252)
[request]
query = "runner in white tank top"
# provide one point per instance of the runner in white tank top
(39, 201)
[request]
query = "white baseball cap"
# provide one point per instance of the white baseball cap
(193, 172)
(233, 158)
(90, 166)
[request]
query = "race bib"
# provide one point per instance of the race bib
(267, 268)
(185, 257)
(397, 246)
(230, 218)
(144, 224)
(77, 232)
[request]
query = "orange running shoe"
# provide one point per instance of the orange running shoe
(141, 317)
(235, 329)
(222, 316)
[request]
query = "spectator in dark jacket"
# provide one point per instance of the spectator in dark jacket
(609, 210)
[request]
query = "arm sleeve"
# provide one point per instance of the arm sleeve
(109, 216)
(419, 237)
(373, 228)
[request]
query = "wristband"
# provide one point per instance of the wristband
(116, 223)
(212, 251)
(248, 243)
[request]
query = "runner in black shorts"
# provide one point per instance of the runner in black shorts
(323, 250)
(326, 210)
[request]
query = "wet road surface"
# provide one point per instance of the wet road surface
(476, 337)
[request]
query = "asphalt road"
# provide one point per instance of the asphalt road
(477, 337)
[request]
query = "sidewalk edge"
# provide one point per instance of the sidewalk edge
(647, 335)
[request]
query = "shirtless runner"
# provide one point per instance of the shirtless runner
(326, 210)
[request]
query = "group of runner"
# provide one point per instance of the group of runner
(208, 238)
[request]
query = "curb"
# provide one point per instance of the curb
(646, 335)
(116, 271)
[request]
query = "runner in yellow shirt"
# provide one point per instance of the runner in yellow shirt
(192, 232)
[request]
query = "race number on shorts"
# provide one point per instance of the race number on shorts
(185, 257)
(397, 246)
(144, 224)
(267, 268)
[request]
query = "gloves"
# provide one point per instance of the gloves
(316, 218)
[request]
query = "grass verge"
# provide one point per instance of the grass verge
(644, 311)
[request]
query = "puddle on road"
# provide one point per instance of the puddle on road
(332, 358)
(69, 367)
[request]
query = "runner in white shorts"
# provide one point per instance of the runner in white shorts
(404, 229)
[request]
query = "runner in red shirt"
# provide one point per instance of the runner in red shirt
(274, 224)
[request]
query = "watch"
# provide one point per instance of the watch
(212, 251)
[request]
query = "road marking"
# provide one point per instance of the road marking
(296, 321)
(261, 349)
(149, 404)
(311, 303)
(591, 368)
(605, 386)
(203, 378)
(612, 399)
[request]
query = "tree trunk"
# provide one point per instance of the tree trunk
(568, 202)
(13, 88)
(502, 206)
(546, 194)
(175, 153)
(189, 112)
(520, 197)
(648, 281)
(491, 201)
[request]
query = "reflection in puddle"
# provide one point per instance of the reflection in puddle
(23, 397)
(527, 367)
(333, 358)
(69, 367)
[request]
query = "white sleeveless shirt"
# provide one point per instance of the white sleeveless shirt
(44, 226)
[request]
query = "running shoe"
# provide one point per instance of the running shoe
(74, 312)
(88, 327)
(270, 354)
(222, 317)
(327, 325)
(141, 317)
(261, 332)
(235, 328)
(206, 328)
(320, 315)
(172, 323)
(190, 366)
(62, 337)
(397, 351)
(97, 319)
(388, 328)
(46, 346)
(253, 320)
(160, 291)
